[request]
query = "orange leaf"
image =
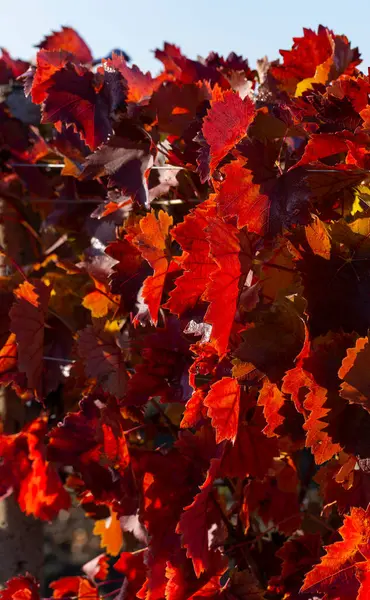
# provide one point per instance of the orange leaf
(8, 354)
(152, 245)
(346, 562)
(223, 402)
(193, 410)
(318, 238)
(355, 373)
(272, 400)
(100, 301)
(110, 532)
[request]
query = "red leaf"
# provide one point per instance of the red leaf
(252, 454)
(27, 317)
(237, 196)
(125, 160)
(69, 40)
(152, 243)
(47, 64)
(223, 402)
(79, 587)
(23, 587)
(307, 53)
(275, 499)
(103, 359)
(194, 410)
(97, 568)
(193, 524)
(182, 583)
(232, 254)
(298, 555)
(84, 99)
(34, 481)
(226, 123)
(323, 145)
(140, 85)
(132, 565)
(195, 260)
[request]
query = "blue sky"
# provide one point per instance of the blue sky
(251, 28)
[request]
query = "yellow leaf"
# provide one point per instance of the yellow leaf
(321, 76)
(362, 196)
(110, 534)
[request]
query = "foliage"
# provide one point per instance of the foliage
(188, 307)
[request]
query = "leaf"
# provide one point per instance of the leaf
(237, 196)
(272, 400)
(298, 554)
(85, 100)
(194, 410)
(345, 563)
(27, 317)
(182, 583)
(323, 145)
(251, 455)
(78, 587)
(48, 62)
(195, 260)
(309, 396)
(301, 62)
(275, 498)
(97, 568)
(69, 40)
(223, 403)
(140, 85)
(110, 532)
(8, 355)
(232, 253)
(132, 565)
(127, 273)
(152, 243)
(318, 238)
(24, 471)
(317, 438)
(103, 359)
(100, 301)
(193, 524)
(92, 440)
(125, 161)
(226, 123)
(22, 587)
(275, 339)
(355, 374)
